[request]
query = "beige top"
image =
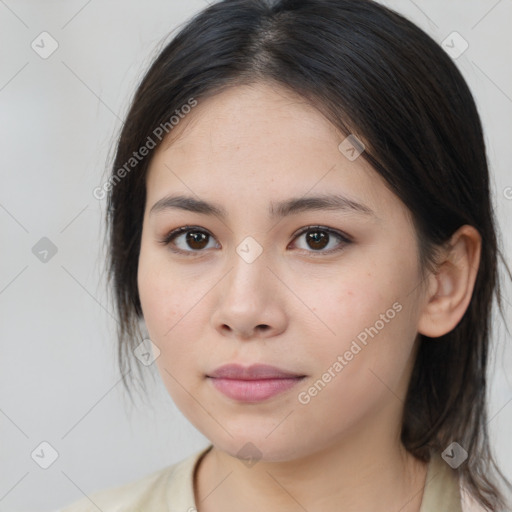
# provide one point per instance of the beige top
(172, 490)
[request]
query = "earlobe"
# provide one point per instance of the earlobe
(452, 285)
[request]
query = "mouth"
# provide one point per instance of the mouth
(254, 383)
(253, 372)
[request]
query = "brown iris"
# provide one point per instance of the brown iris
(195, 237)
(318, 238)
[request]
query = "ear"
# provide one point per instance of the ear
(450, 288)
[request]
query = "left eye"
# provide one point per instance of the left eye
(317, 238)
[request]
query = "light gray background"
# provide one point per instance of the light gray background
(58, 377)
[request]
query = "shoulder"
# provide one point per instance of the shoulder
(441, 491)
(469, 504)
(172, 484)
(444, 489)
(130, 494)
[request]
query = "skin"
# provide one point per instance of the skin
(242, 149)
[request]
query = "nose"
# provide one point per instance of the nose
(250, 300)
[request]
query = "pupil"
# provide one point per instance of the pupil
(313, 237)
(195, 238)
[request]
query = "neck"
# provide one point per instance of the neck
(340, 477)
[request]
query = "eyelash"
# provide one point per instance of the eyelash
(342, 237)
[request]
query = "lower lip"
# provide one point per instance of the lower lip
(253, 390)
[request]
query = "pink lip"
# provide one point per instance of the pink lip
(254, 383)
(253, 372)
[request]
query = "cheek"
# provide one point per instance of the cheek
(171, 309)
(169, 317)
(367, 318)
(353, 379)
(162, 296)
(157, 304)
(339, 305)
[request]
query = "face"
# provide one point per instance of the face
(330, 295)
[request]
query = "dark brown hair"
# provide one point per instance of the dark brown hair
(374, 74)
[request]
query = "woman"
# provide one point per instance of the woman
(300, 215)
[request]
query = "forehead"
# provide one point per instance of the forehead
(244, 114)
(260, 141)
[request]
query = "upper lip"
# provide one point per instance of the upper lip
(253, 372)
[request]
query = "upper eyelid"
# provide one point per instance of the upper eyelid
(334, 231)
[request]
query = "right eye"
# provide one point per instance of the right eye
(193, 237)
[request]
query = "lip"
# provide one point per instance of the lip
(254, 383)
(253, 372)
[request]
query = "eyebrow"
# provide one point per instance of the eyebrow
(281, 209)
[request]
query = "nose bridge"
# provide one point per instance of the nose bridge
(249, 274)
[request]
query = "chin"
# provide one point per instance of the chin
(253, 448)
